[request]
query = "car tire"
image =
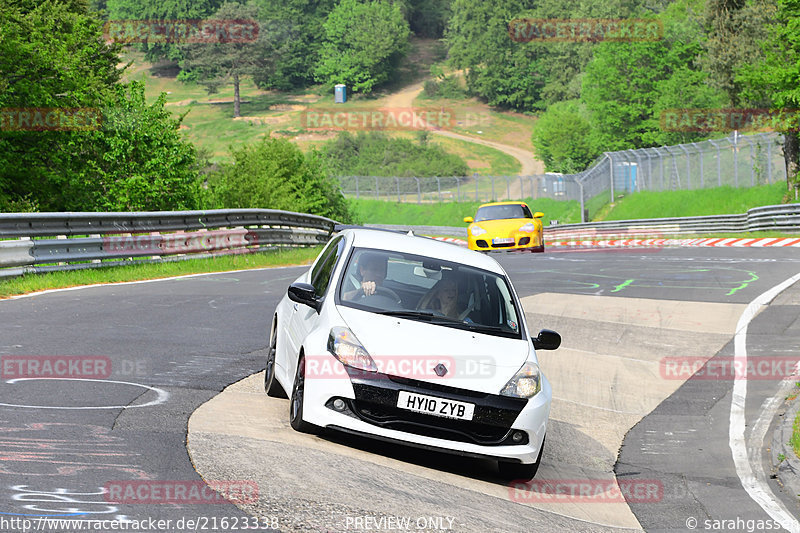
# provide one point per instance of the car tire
(271, 385)
(519, 471)
(296, 401)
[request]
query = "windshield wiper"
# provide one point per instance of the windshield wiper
(408, 314)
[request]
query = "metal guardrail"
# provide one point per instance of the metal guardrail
(783, 218)
(90, 240)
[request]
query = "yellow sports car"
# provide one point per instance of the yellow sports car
(505, 226)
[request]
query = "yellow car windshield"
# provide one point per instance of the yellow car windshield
(495, 212)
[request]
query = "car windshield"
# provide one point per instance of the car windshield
(494, 212)
(429, 290)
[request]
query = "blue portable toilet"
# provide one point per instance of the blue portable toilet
(340, 94)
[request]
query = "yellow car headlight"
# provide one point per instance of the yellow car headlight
(476, 230)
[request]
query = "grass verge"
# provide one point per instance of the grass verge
(696, 202)
(451, 213)
(117, 274)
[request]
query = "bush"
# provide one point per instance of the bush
(375, 154)
(275, 174)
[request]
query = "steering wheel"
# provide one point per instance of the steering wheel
(380, 291)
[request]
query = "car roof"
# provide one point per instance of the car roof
(402, 242)
(502, 203)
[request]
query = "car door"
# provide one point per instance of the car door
(303, 318)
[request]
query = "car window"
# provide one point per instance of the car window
(496, 212)
(441, 292)
(321, 273)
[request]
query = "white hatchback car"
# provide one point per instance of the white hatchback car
(412, 340)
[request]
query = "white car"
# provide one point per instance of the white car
(412, 340)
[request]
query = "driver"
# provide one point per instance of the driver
(372, 269)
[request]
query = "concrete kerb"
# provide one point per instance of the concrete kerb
(788, 469)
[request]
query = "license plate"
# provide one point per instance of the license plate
(503, 240)
(420, 403)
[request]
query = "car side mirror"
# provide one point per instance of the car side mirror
(547, 340)
(468, 220)
(304, 293)
(538, 214)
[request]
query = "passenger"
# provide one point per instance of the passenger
(443, 297)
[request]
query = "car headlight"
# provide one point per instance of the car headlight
(526, 383)
(530, 226)
(476, 231)
(345, 346)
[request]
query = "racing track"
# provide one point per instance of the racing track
(173, 345)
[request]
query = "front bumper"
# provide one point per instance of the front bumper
(370, 401)
(531, 241)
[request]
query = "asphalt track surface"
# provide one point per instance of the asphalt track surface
(173, 345)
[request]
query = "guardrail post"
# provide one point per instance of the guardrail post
(357, 188)
(376, 188)
(769, 161)
(397, 182)
(419, 192)
(719, 165)
(611, 173)
(580, 189)
(752, 162)
(439, 188)
(688, 167)
(458, 189)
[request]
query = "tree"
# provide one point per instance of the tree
(137, 160)
(734, 30)
(226, 60)
(275, 174)
(300, 54)
(562, 138)
(160, 10)
(777, 82)
(627, 85)
(130, 156)
(364, 42)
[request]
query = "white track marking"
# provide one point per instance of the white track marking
(163, 395)
(120, 283)
(753, 479)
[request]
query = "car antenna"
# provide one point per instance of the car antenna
(410, 233)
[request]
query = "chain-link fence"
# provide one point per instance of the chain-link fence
(736, 160)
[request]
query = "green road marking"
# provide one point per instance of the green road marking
(623, 285)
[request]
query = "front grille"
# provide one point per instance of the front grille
(431, 426)
(505, 245)
(376, 403)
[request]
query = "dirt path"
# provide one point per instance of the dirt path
(529, 164)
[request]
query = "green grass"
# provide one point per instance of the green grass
(57, 280)
(699, 202)
(451, 213)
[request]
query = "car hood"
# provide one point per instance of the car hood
(412, 349)
(504, 224)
